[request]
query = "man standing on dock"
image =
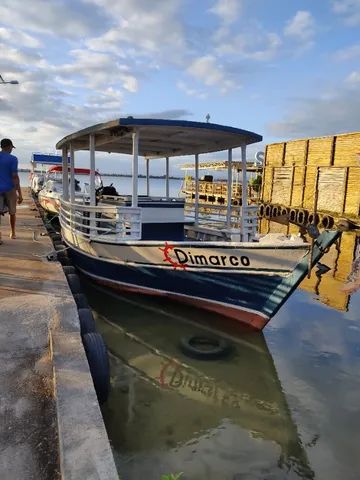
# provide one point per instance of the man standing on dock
(9, 181)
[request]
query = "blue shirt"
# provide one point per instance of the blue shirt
(8, 166)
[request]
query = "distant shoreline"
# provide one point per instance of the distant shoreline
(127, 175)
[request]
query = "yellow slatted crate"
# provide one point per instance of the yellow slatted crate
(295, 152)
(352, 203)
(347, 150)
(298, 187)
(275, 154)
(331, 188)
(281, 190)
(309, 192)
(320, 151)
(267, 186)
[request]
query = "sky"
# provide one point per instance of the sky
(285, 69)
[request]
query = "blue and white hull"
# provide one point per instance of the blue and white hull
(248, 283)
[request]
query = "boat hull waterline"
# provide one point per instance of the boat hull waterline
(249, 295)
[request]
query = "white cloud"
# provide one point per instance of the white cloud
(192, 92)
(349, 10)
(227, 10)
(256, 45)
(335, 111)
(353, 80)
(208, 70)
(348, 53)
(301, 27)
(61, 18)
(11, 36)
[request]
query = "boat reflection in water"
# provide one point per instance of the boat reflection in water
(219, 419)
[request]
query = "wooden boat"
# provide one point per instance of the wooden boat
(145, 244)
(39, 163)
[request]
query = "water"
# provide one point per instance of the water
(283, 404)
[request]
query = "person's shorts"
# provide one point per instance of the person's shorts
(11, 200)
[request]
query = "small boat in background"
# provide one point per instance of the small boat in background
(52, 190)
(39, 164)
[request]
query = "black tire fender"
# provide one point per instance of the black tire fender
(191, 346)
(87, 321)
(81, 300)
(98, 360)
(74, 282)
(69, 269)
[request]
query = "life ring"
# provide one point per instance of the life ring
(284, 211)
(204, 347)
(261, 210)
(327, 221)
(302, 216)
(313, 218)
(293, 215)
(98, 360)
(268, 210)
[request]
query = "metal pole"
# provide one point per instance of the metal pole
(167, 178)
(72, 174)
(65, 173)
(196, 189)
(135, 168)
(229, 189)
(148, 177)
(92, 169)
(244, 209)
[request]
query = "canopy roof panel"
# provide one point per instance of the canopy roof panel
(160, 138)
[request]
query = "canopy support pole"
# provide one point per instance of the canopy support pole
(147, 177)
(135, 168)
(167, 178)
(244, 209)
(196, 189)
(229, 189)
(92, 169)
(72, 174)
(65, 173)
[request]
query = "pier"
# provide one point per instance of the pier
(50, 417)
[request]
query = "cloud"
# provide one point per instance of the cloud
(301, 28)
(65, 18)
(349, 10)
(192, 92)
(11, 36)
(353, 80)
(335, 112)
(256, 45)
(227, 10)
(208, 70)
(349, 53)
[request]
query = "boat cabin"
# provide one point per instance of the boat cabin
(119, 218)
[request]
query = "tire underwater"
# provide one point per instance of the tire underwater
(98, 360)
(221, 347)
(87, 321)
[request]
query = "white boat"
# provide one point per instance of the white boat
(39, 163)
(52, 190)
(146, 245)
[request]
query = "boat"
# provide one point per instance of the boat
(145, 244)
(52, 189)
(39, 162)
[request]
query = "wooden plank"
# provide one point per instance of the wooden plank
(282, 185)
(298, 186)
(347, 150)
(309, 192)
(295, 153)
(331, 187)
(320, 151)
(352, 201)
(275, 154)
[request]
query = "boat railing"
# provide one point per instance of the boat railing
(218, 214)
(108, 223)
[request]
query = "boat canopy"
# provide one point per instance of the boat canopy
(78, 171)
(46, 159)
(160, 138)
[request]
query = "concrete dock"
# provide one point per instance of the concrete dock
(51, 423)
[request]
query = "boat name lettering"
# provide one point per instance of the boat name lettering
(188, 258)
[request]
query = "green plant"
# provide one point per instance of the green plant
(172, 476)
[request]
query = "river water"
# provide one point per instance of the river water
(283, 405)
